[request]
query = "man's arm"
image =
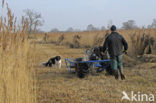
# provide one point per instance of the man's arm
(105, 45)
(124, 42)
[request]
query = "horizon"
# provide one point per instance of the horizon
(79, 14)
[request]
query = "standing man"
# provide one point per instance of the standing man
(115, 43)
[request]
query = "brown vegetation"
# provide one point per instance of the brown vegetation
(60, 86)
(141, 41)
(16, 62)
(22, 80)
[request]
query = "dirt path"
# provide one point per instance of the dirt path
(59, 86)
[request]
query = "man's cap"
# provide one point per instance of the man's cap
(113, 28)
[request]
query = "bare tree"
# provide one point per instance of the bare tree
(90, 27)
(153, 25)
(55, 30)
(39, 30)
(34, 19)
(70, 29)
(130, 24)
(110, 23)
(103, 28)
(77, 30)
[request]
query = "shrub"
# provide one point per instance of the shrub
(60, 40)
(76, 41)
(98, 40)
(141, 42)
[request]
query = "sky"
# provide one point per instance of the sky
(63, 14)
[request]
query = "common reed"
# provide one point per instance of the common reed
(17, 83)
(139, 40)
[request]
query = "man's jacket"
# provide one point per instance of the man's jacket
(115, 43)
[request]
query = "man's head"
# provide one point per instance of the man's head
(113, 28)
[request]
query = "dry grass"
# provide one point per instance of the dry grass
(22, 80)
(135, 38)
(58, 86)
(16, 63)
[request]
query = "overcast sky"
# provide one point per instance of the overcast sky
(63, 14)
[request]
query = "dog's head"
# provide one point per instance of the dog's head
(58, 58)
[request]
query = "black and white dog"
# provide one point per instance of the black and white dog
(53, 62)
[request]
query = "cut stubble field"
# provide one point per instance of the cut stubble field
(58, 86)
(23, 80)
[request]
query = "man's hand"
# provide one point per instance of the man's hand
(125, 52)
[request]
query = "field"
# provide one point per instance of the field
(36, 84)
(24, 80)
(58, 86)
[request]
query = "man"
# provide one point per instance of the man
(114, 43)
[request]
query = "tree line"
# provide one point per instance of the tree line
(35, 20)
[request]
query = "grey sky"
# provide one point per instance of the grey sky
(78, 14)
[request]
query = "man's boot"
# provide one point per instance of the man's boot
(122, 77)
(116, 74)
(121, 73)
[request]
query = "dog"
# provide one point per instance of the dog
(52, 62)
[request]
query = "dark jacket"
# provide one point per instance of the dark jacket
(115, 42)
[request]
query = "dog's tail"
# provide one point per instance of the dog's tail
(44, 64)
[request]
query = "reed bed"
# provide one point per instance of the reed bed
(138, 39)
(17, 82)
